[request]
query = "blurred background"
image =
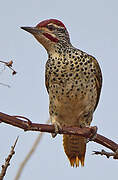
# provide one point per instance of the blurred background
(93, 27)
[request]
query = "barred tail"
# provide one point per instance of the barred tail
(75, 148)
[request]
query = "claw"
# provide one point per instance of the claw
(57, 127)
(94, 134)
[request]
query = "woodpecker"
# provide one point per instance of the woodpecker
(73, 80)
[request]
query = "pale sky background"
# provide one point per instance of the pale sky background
(93, 27)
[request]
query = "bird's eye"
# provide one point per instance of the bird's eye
(50, 27)
(62, 30)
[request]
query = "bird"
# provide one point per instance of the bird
(73, 79)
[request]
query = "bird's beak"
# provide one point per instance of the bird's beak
(32, 30)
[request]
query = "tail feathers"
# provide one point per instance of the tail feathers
(75, 161)
(75, 148)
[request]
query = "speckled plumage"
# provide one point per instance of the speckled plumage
(73, 76)
(73, 80)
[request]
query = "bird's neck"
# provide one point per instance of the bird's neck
(59, 49)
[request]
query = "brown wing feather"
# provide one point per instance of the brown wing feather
(47, 77)
(98, 77)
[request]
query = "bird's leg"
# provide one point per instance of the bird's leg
(82, 125)
(86, 123)
(57, 127)
(94, 133)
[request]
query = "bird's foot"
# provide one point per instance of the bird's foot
(57, 127)
(93, 134)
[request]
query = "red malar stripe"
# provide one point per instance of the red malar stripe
(50, 37)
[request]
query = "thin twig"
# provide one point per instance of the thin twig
(107, 154)
(3, 84)
(28, 156)
(7, 161)
(9, 65)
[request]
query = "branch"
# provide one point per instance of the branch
(9, 65)
(7, 161)
(87, 132)
(107, 154)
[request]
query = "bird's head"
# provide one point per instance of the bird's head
(50, 33)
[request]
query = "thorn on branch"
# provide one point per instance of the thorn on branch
(29, 122)
(22, 117)
(107, 154)
(7, 161)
